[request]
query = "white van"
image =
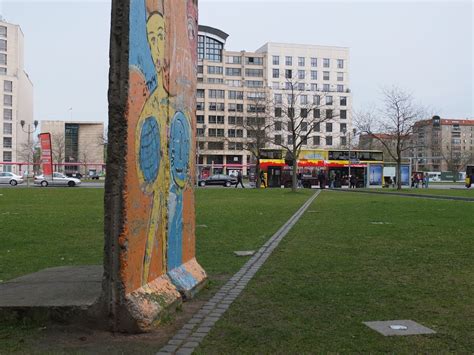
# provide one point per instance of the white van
(434, 176)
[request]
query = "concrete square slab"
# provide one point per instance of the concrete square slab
(399, 327)
(244, 253)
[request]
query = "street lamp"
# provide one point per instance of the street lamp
(354, 131)
(28, 130)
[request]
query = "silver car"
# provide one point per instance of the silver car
(10, 178)
(57, 180)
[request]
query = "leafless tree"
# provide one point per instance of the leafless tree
(393, 124)
(58, 148)
(455, 159)
(302, 114)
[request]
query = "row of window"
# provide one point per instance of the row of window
(233, 59)
(302, 74)
(232, 107)
(278, 99)
(220, 145)
(304, 99)
(302, 61)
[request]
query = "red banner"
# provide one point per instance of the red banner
(46, 155)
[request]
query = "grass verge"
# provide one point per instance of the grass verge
(355, 258)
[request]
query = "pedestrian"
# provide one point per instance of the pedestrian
(321, 179)
(353, 181)
(427, 181)
(299, 177)
(332, 178)
(239, 180)
(262, 179)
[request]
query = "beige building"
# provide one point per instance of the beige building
(16, 104)
(231, 86)
(76, 145)
(442, 144)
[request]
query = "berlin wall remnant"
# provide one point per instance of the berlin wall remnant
(149, 262)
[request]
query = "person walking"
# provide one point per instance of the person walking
(262, 179)
(321, 179)
(332, 178)
(299, 177)
(353, 181)
(239, 180)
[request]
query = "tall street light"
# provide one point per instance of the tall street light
(354, 131)
(28, 130)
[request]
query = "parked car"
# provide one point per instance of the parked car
(219, 179)
(57, 180)
(74, 175)
(10, 178)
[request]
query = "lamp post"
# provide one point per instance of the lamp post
(348, 133)
(28, 131)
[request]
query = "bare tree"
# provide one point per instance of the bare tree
(258, 124)
(302, 115)
(393, 125)
(455, 159)
(58, 143)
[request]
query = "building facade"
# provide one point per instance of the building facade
(16, 105)
(442, 144)
(235, 88)
(76, 145)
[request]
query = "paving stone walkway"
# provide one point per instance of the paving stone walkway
(190, 336)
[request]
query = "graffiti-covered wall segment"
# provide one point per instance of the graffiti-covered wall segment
(150, 242)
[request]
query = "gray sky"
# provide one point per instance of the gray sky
(424, 47)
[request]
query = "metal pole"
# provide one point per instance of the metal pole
(349, 176)
(28, 162)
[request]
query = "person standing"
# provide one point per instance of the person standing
(332, 178)
(321, 179)
(239, 180)
(262, 179)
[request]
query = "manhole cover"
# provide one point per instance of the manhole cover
(399, 327)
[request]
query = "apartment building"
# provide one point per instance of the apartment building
(16, 105)
(443, 144)
(231, 86)
(76, 145)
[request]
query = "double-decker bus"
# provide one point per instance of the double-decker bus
(333, 162)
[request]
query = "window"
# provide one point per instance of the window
(3, 31)
(316, 140)
(214, 70)
(340, 76)
(254, 84)
(317, 113)
(304, 126)
(278, 139)
(343, 114)
(255, 108)
(329, 114)
(239, 133)
(288, 74)
(326, 87)
(290, 98)
(236, 95)
(213, 50)
(233, 71)
(7, 100)
(328, 127)
(216, 132)
(329, 100)
(328, 140)
(314, 87)
(216, 106)
(290, 139)
(236, 120)
(215, 145)
(234, 83)
(3, 71)
(255, 95)
(278, 112)
(7, 114)
(277, 125)
(7, 128)
(276, 73)
(8, 86)
(291, 112)
(288, 60)
(317, 127)
(301, 61)
(216, 119)
(326, 62)
(278, 98)
(234, 60)
(316, 100)
(216, 94)
(254, 60)
(7, 142)
(254, 72)
(325, 75)
(213, 80)
(200, 118)
(288, 86)
(301, 74)
(342, 127)
(236, 146)
(340, 88)
(3, 45)
(314, 62)
(276, 60)
(304, 113)
(200, 106)
(304, 99)
(301, 86)
(314, 75)
(7, 156)
(340, 63)
(200, 93)
(343, 101)
(3, 59)
(304, 140)
(231, 133)
(343, 140)
(200, 132)
(275, 85)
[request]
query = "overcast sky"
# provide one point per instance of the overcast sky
(424, 47)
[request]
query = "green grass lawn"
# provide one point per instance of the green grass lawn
(458, 192)
(355, 258)
(43, 228)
